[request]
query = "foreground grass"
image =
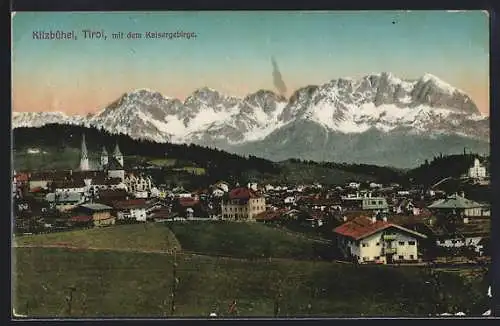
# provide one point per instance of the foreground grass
(245, 240)
(135, 236)
(118, 284)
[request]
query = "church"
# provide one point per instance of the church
(111, 165)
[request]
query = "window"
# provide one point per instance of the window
(401, 243)
(380, 202)
(377, 257)
(411, 243)
(401, 257)
(365, 258)
(377, 244)
(364, 244)
(412, 257)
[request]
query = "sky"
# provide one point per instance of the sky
(232, 53)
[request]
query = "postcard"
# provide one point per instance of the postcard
(251, 164)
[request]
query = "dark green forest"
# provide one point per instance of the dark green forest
(219, 164)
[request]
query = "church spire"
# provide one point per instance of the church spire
(84, 160)
(118, 155)
(117, 151)
(104, 158)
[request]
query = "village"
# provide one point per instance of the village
(367, 223)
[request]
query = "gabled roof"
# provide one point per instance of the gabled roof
(96, 207)
(77, 183)
(243, 193)
(454, 201)
(22, 177)
(130, 204)
(108, 193)
(362, 227)
(63, 197)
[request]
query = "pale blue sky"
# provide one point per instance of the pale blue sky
(232, 52)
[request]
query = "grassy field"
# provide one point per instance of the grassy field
(246, 240)
(192, 170)
(166, 162)
(137, 284)
(135, 236)
(47, 158)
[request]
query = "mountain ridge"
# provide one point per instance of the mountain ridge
(424, 108)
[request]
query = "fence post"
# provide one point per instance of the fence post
(175, 280)
(69, 299)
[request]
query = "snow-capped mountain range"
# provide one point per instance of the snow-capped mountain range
(381, 103)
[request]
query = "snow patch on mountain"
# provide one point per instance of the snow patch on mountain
(382, 101)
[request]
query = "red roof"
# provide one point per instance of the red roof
(128, 204)
(36, 189)
(81, 218)
(23, 177)
(188, 201)
(361, 227)
(271, 215)
(242, 193)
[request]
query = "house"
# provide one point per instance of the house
(186, 206)
(374, 185)
(273, 216)
(141, 194)
(407, 206)
(366, 202)
(242, 204)
(458, 205)
(138, 183)
(289, 200)
(368, 240)
(222, 185)
(134, 209)
(19, 181)
(354, 185)
(269, 187)
(472, 235)
(477, 170)
(107, 197)
(218, 192)
(101, 214)
(100, 183)
(77, 186)
(64, 201)
(253, 186)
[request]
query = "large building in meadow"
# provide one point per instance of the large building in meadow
(242, 204)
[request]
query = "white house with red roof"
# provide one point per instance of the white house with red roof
(368, 240)
(242, 204)
(132, 209)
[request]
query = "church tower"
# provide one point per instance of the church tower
(118, 155)
(104, 158)
(84, 160)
